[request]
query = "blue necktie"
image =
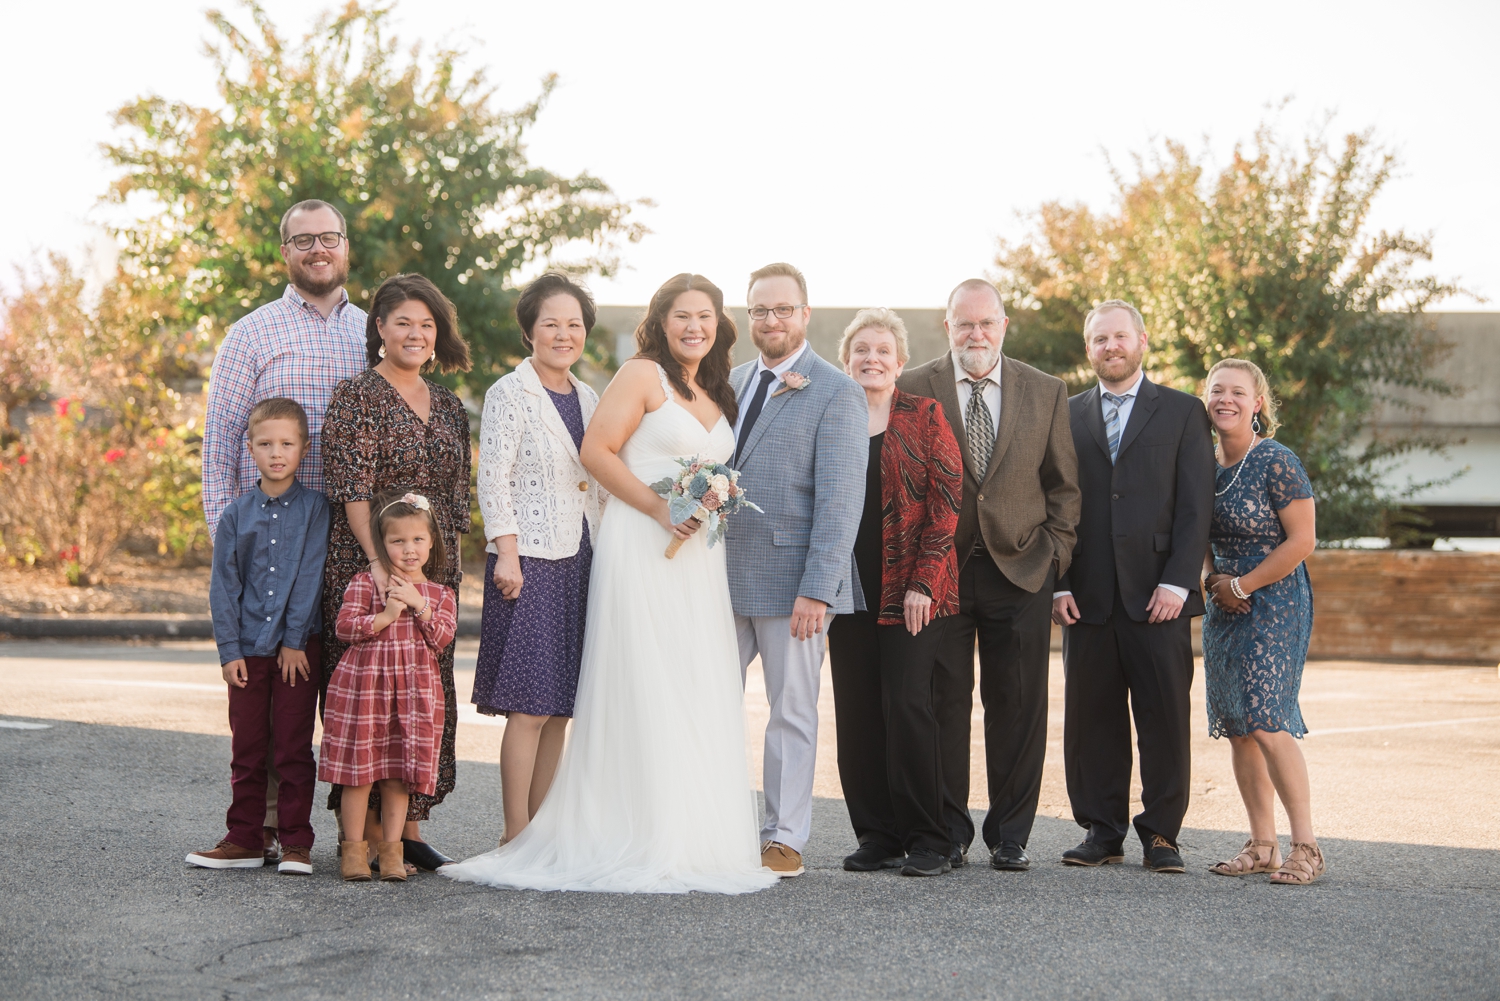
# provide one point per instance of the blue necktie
(1112, 422)
(753, 411)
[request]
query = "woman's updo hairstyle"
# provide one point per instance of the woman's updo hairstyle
(547, 285)
(404, 502)
(1267, 413)
(449, 352)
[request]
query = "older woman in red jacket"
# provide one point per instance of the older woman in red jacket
(883, 658)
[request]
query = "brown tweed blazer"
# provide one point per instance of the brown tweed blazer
(1026, 504)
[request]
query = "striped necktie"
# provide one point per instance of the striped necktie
(1112, 422)
(979, 425)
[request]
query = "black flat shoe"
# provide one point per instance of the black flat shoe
(926, 862)
(872, 858)
(1162, 856)
(959, 856)
(1092, 853)
(1010, 857)
(424, 856)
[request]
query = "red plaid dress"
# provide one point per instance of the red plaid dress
(384, 714)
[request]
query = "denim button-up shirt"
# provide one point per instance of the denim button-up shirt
(267, 584)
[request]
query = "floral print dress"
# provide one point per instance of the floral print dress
(1252, 662)
(373, 441)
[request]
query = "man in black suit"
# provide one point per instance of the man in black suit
(1146, 472)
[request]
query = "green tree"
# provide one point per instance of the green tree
(430, 175)
(1270, 260)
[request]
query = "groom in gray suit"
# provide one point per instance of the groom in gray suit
(801, 441)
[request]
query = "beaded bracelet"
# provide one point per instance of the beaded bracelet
(1236, 590)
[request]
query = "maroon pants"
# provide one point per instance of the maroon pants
(269, 713)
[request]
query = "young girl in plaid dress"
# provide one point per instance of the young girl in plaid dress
(384, 714)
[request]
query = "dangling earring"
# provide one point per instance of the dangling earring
(382, 351)
(1255, 424)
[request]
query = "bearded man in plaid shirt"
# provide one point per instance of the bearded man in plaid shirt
(299, 346)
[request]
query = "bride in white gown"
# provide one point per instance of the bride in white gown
(652, 794)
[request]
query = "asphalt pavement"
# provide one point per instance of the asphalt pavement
(99, 904)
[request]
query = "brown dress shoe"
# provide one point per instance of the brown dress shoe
(228, 855)
(392, 861)
(354, 861)
(781, 860)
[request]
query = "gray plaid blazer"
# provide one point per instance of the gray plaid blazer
(805, 464)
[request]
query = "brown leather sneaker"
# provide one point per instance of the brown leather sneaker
(781, 860)
(296, 860)
(228, 855)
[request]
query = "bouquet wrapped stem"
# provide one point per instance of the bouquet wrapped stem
(701, 515)
(705, 490)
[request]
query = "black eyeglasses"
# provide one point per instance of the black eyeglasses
(304, 241)
(782, 312)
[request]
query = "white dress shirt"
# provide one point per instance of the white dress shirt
(964, 382)
(780, 369)
(1125, 407)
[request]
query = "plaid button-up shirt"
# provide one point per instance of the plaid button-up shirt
(284, 348)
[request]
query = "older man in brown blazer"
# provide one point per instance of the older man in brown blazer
(1015, 537)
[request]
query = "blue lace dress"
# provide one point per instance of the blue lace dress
(1252, 663)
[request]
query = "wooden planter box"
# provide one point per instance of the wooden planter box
(1407, 605)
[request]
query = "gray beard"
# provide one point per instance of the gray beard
(978, 362)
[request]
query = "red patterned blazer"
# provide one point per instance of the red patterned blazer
(921, 490)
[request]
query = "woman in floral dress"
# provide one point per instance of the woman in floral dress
(389, 427)
(1259, 620)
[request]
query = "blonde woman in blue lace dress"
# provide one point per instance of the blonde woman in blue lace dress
(1259, 619)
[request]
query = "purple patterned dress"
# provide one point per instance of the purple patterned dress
(530, 648)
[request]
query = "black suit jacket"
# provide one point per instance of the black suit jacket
(1146, 517)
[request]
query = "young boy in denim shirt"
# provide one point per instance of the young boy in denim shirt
(265, 595)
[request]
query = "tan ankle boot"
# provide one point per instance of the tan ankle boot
(392, 861)
(354, 861)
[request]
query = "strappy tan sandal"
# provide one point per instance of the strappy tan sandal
(1247, 862)
(1304, 865)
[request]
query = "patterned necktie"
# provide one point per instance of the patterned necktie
(978, 425)
(1112, 423)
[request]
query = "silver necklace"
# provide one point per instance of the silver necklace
(1237, 467)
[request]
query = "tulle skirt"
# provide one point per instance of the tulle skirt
(652, 794)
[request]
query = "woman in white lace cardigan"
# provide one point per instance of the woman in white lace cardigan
(540, 509)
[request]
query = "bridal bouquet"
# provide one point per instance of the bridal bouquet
(706, 490)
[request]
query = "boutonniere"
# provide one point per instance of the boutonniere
(792, 382)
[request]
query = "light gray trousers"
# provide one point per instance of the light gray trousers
(793, 672)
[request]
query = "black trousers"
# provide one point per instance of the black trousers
(1013, 629)
(1152, 667)
(887, 733)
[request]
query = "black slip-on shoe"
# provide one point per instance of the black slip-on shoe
(959, 856)
(424, 856)
(1162, 856)
(1009, 856)
(872, 858)
(926, 862)
(1091, 853)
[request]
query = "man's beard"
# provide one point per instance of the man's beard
(792, 348)
(1117, 369)
(304, 279)
(978, 361)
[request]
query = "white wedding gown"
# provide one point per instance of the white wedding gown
(652, 794)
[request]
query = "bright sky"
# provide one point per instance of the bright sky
(882, 147)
